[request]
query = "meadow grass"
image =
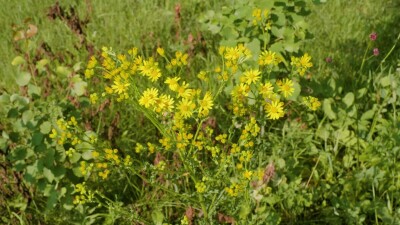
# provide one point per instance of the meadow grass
(152, 24)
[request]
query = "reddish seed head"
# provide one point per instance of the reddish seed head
(376, 51)
(373, 36)
(328, 59)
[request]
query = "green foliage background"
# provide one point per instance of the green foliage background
(349, 151)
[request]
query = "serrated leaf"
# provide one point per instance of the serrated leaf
(23, 78)
(45, 127)
(348, 99)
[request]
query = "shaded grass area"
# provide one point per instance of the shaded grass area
(121, 24)
(341, 32)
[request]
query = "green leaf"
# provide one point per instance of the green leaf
(385, 81)
(296, 92)
(79, 86)
(27, 116)
(157, 216)
(243, 12)
(52, 200)
(244, 211)
(59, 172)
(23, 101)
(3, 144)
(48, 159)
(37, 139)
(34, 90)
(77, 66)
(254, 47)
(368, 115)
(62, 70)
(18, 61)
(348, 99)
(48, 174)
(215, 29)
(4, 99)
(75, 157)
(23, 78)
(327, 107)
(229, 33)
(45, 127)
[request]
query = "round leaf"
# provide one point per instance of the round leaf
(348, 99)
(23, 78)
(17, 61)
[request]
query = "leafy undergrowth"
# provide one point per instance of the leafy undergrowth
(215, 115)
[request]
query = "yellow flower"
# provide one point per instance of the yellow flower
(268, 58)
(247, 174)
(150, 68)
(305, 61)
(266, 90)
(200, 187)
(302, 64)
(92, 63)
(173, 83)
(149, 97)
(186, 108)
(93, 98)
(206, 104)
(120, 87)
(161, 52)
(285, 87)
(164, 103)
(89, 73)
(184, 91)
(274, 109)
(312, 103)
(251, 76)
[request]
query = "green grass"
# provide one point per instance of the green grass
(340, 29)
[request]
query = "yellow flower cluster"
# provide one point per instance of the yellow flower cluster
(261, 18)
(234, 56)
(200, 187)
(259, 15)
(268, 58)
(82, 195)
(234, 189)
(65, 131)
(179, 60)
(301, 64)
(311, 102)
(89, 72)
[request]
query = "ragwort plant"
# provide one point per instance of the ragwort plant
(209, 158)
(213, 170)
